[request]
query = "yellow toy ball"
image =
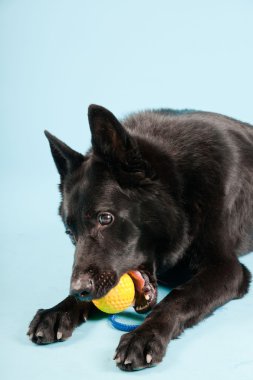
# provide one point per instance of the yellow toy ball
(118, 298)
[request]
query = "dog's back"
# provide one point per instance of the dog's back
(201, 143)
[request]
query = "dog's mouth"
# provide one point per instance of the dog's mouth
(145, 290)
(144, 283)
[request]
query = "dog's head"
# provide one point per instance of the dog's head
(113, 211)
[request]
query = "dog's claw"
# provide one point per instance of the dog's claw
(118, 360)
(145, 298)
(59, 335)
(39, 334)
(127, 361)
(148, 358)
(31, 336)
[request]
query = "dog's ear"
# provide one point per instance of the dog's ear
(117, 148)
(65, 158)
(109, 139)
(114, 145)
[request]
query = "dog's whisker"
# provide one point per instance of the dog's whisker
(100, 235)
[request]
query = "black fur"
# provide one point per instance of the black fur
(178, 187)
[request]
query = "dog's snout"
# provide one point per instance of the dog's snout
(82, 286)
(87, 287)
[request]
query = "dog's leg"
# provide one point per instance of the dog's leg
(58, 323)
(213, 285)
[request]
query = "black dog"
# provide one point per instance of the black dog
(165, 195)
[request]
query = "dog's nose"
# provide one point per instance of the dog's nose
(82, 288)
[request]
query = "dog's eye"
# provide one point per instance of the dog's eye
(105, 218)
(71, 235)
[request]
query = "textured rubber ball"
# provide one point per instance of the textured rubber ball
(118, 298)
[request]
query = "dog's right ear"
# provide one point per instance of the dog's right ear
(65, 158)
(119, 150)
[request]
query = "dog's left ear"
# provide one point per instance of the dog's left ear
(113, 143)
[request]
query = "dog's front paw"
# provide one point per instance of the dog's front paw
(50, 326)
(58, 323)
(140, 349)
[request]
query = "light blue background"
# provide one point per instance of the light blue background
(57, 57)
